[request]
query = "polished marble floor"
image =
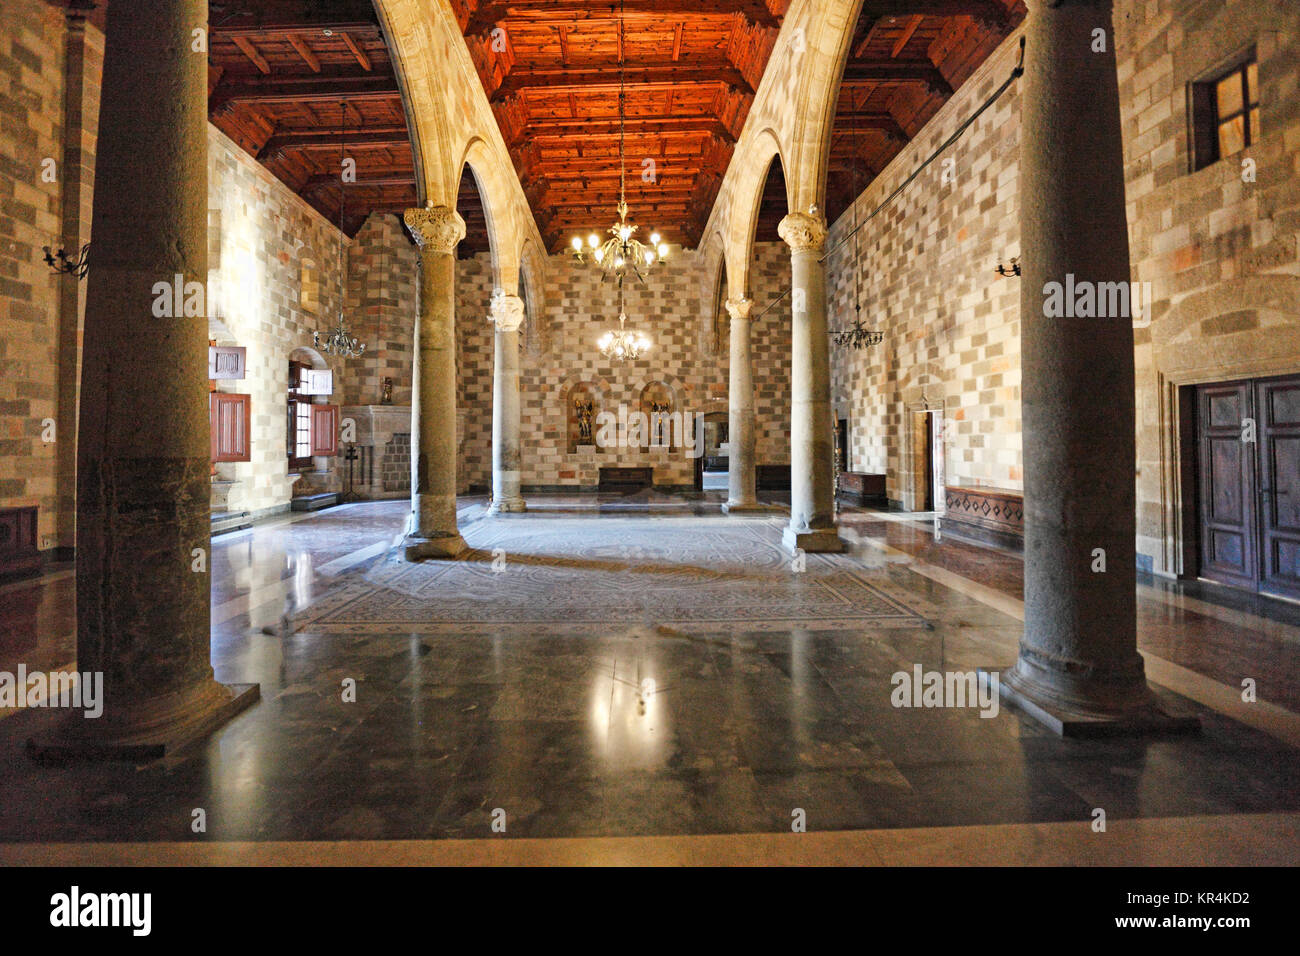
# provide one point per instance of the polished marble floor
(661, 724)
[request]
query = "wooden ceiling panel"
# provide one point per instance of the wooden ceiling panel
(280, 72)
(906, 59)
(691, 68)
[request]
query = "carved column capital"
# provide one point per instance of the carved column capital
(507, 311)
(803, 232)
(739, 308)
(436, 228)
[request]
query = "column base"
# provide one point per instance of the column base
(507, 506)
(813, 541)
(1151, 718)
(744, 508)
(416, 548)
(159, 729)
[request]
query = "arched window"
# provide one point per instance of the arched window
(721, 338)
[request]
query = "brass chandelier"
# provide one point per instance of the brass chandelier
(339, 341)
(623, 345)
(856, 336)
(622, 254)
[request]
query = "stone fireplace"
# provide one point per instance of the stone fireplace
(383, 444)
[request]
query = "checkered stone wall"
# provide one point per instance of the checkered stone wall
(672, 310)
(926, 271)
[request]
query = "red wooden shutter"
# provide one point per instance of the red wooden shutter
(231, 420)
(324, 429)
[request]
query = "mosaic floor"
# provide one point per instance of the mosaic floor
(555, 575)
(608, 683)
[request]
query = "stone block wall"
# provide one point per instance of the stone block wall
(49, 106)
(672, 310)
(925, 266)
(382, 304)
(1218, 247)
(260, 234)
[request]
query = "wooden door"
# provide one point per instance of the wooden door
(1277, 404)
(1227, 485)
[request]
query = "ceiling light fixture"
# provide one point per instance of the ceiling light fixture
(623, 345)
(339, 341)
(857, 336)
(622, 254)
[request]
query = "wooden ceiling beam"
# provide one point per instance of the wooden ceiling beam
(898, 71)
(321, 180)
(333, 87)
(332, 137)
(285, 28)
(308, 55)
(490, 13)
(357, 52)
(990, 12)
(906, 35)
(607, 77)
(855, 121)
(642, 126)
(246, 47)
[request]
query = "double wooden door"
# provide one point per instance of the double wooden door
(1248, 438)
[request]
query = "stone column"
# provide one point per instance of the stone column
(741, 498)
(812, 506)
(144, 456)
(437, 230)
(1078, 669)
(508, 316)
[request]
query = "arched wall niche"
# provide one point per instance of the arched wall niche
(584, 403)
(663, 415)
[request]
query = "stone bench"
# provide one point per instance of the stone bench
(315, 502)
(225, 521)
(772, 478)
(626, 479)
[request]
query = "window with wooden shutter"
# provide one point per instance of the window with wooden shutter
(324, 429)
(231, 418)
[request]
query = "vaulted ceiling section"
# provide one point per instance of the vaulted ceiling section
(551, 72)
(281, 70)
(279, 74)
(906, 59)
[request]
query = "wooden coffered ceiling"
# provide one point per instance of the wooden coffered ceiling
(906, 59)
(280, 71)
(279, 74)
(550, 70)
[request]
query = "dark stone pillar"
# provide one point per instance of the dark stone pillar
(143, 462)
(1078, 669)
(434, 534)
